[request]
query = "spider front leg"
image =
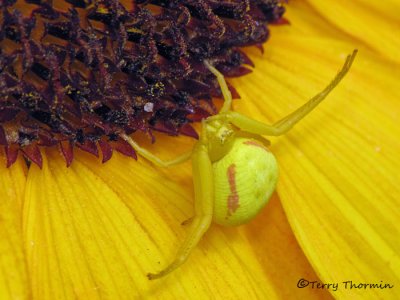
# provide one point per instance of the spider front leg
(153, 158)
(286, 123)
(203, 206)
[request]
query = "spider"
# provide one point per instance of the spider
(234, 174)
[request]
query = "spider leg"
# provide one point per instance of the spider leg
(153, 158)
(203, 207)
(223, 86)
(286, 123)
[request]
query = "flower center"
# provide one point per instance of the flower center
(78, 73)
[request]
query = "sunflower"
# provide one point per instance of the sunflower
(93, 231)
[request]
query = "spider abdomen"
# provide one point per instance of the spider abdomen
(244, 180)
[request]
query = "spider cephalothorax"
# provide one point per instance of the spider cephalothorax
(93, 71)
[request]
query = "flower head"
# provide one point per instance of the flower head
(93, 231)
(86, 75)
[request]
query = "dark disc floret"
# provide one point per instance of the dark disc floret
(85, 74)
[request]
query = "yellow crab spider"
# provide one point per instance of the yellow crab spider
(234, 174)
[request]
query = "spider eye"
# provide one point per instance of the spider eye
(244, 180)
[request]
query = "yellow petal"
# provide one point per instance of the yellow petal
(13, 276)
(225, 264)
(94, 231)
(280, 255)
(339, 166)
(306, 21)
(374, 23)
